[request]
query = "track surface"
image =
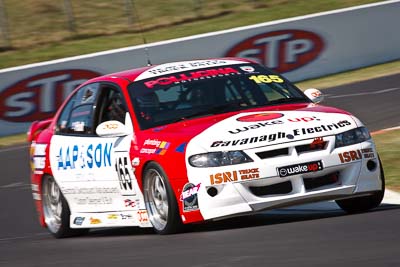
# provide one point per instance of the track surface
(310, 235)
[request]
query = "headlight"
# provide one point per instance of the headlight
(216, 159)
(352, 137)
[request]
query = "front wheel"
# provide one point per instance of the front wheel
(56, 210)
(363, 204)
(160, 200)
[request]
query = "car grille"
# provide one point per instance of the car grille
(315, 182)
(314, 146)
(273, 153)
(311, 147)
(275, 189)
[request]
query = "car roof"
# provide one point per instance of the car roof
(133, 74)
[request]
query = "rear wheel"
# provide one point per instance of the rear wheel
(56, 210)
(160, 200)
(363, 204)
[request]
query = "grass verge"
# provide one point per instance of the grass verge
(388, 145)
(38, 32)
(17, 139)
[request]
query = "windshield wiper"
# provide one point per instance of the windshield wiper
(287, 100)
(232, 106)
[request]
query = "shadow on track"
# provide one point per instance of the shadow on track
(266, 218)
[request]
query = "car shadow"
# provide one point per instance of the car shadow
(265, 218)
(280, 216)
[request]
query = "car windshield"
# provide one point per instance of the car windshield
(169, 98)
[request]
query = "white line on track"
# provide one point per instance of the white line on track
(13, 148)
(365, 93)
(15, 185)
(22, 237)
(391, 197)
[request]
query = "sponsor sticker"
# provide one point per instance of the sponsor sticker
(234, 176)
(142, 216)
(354, 155)
(173, 67)
(189, 197)
(277, 136)
(265, 116)
(247, 68)
(155, 146)
(95, 220)
(89, 190)
(130, 203)
(267, 119)
(79, 220)
(126, 216)
(189, 76)
(112, 216)
(80, 157)
(93, 200)
(296, 169)
(250, 140)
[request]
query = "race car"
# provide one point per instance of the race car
(193, 141)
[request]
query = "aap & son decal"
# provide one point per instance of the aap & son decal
(282, 51)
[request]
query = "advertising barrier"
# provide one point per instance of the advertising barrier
(300, 48)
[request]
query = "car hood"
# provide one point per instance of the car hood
(262, 128)
(248, 129)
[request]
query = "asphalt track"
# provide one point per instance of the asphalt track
(309, 235)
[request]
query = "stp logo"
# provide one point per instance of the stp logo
(38, 97)
(282, 51)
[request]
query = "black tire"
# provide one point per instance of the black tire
(365, 203)
(161, 204)
(56, 210)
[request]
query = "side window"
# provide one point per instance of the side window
(111, 105)
(62, 121)
(77, 116)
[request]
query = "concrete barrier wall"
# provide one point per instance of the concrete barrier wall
(300, 48)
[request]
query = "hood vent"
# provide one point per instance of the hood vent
(273, 153)
(311, 147)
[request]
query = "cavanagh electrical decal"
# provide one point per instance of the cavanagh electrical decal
(283, 50)
(280, 135)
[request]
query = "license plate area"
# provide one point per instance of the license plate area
(295, 169)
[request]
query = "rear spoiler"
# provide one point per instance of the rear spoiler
(36, 127)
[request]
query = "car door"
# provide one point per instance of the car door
(94, 172)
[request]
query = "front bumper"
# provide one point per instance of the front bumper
(344, 174)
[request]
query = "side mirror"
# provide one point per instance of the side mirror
(111, 129)
(314, 95)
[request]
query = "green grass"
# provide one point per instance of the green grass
(38, 28)
(17, 139)
(388, 145)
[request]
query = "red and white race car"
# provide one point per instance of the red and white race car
(192, 141)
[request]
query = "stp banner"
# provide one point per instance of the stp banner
(301, 48)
